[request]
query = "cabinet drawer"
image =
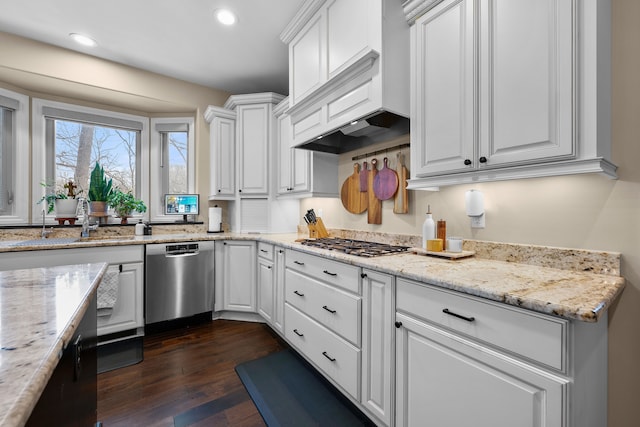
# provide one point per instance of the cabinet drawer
(537, 337)
(335, 357)
(337, 273)
(335, 309)
(265, 250)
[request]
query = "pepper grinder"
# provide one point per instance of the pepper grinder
(442, 233)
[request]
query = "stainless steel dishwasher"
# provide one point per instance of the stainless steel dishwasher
(178, 280)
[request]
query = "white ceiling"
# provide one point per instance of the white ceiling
(177, 38)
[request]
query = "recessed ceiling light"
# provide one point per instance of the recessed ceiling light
(83, 40)
(225, 16)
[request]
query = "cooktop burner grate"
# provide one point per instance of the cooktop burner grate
(354, 247)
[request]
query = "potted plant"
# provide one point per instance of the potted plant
(99, 191)
(124, 204)
(64, 203)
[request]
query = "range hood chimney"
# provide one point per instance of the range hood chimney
(378, 127)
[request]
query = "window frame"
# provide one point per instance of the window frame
(156, 205)
(40, 149)
(20, 129)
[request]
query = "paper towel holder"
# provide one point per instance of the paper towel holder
(215, 227)
(474, 203)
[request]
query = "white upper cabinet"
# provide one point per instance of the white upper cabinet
(255, 131)
(508, 89)
(347, 60)
(302, 173)
(222, 131)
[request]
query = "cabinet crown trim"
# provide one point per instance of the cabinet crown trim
(253, 98)
(212, 112)
(413, 9)
(301, 18)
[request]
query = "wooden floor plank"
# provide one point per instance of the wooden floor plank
(184, 369)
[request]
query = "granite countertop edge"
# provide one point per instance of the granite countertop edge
(26, 398)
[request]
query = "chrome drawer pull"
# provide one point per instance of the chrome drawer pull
(298, 333)
(329, 273)
(324, 353)
(459, 316)
(328, 309)
(298, 262)
(298, 293)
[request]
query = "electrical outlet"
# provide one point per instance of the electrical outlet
(320, 213)
(477, 221)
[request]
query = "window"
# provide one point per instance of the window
(74, 138)
(173, 154)
(14, 151)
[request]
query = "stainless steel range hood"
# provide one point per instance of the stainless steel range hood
(378, 127)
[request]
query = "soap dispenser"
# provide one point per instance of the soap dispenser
(428, 228)
(139, 230)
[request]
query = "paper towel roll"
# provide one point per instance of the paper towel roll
(474, 202)
(215, 219)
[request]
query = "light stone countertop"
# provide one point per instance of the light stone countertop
(40, 311)
(573, 284)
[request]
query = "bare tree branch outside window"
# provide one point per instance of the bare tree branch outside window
(79, 145)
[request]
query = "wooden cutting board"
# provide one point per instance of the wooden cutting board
(385, 183)
(401, 202)
(374, 212)
(364, 177)
(353, 200)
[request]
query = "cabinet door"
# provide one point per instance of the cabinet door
(443, 99)
(127, 312)
(300, 174)
(235, 276)
(378, 336)
(526, 75)
(443, 380)
(254, 128)
(278, 310)
(266, 289)
(307, 60)
(223, 131)
(285, 158)
(347, 37)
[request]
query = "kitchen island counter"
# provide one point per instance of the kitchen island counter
(41, 309)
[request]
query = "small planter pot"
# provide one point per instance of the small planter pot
(99, 210)
(66, 208)
(123, 217)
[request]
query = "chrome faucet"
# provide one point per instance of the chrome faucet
(45, 233)
(86, 227)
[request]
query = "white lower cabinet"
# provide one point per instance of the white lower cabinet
(444, 380)
(378, 334)
(278, 289)
(335, 357)
(266, 282)
(127, 262)
(127, 312)
(235, 285)
(323, 316)
(463, 361)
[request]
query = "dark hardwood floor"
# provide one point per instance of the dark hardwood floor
(188, 374)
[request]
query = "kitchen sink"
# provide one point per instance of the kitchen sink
(51, 241)
(108, 238)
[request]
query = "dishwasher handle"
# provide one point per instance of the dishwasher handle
(180, 254)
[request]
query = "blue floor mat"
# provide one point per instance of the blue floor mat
(289, 392)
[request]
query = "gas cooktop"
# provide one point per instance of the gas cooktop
(354, 247)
